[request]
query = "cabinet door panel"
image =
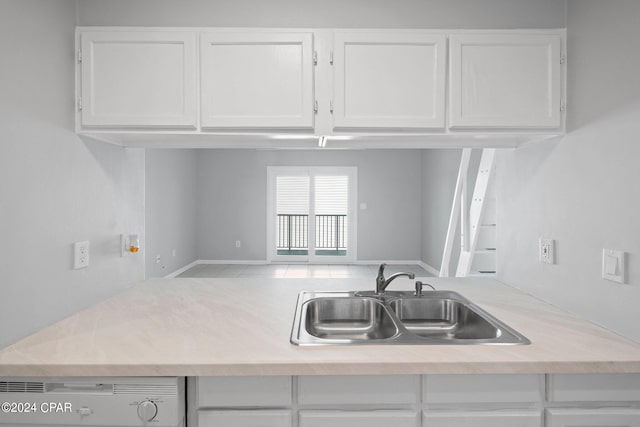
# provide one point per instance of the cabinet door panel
(358, 419)
(593, 418)
(483, 419)
(446, 389)
(594, 388)
(386, 80)
(243, 391)
(505, 81)
(257, 80)
(138, 79)
(275, 418)
(354, 390)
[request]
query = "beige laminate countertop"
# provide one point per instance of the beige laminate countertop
(184, 327)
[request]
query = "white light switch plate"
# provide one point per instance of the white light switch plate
(614, 265)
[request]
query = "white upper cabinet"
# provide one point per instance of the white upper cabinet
(144, 79)
(389, 80)
(505, 81)
(256, 80)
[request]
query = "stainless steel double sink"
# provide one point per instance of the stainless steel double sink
(436, 317)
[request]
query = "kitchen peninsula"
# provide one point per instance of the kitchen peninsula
(235, 327)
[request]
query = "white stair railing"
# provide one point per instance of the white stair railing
(458, 196)
(470, 215)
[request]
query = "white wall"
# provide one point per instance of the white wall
(54, 188)
(582, 190)
(232, 200)
(327, 13)
(170, 219)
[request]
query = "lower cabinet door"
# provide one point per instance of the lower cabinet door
(483, 419)
(611, 417)
(358, 419)
(247, 418)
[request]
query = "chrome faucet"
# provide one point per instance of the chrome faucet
(382, 283)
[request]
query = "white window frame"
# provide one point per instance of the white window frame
(352, 221)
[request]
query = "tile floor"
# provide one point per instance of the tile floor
(298, 271)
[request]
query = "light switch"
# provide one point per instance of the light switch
(613, 265)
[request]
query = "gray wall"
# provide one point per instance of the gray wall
(232, 200)
(54, 188)
(582, 190)
(170, 219)
(439, 174)
(327, 13)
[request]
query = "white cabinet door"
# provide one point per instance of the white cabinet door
(358, 419)
(505, 81)
(143, 79)
(593, 417)
(229, 392)
(483, 419)
(262, 418)
(389, 80)
(257, 80)
(594, 387)
(457, 389)
(358, 389)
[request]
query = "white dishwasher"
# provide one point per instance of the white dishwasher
(92, 401)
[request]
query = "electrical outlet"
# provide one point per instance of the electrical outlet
(81, 255)
(546, 249)
(174, 252)
(238, 243)
(158, 259)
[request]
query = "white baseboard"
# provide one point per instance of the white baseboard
(178, 272)
(429, 268)
(391, 262)
(232, 261)
(181, 270)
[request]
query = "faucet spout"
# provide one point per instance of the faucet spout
(382, 283)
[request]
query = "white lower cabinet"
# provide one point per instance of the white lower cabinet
(358, 419)
(509, 400)
(518, 418)
(601, 417)
(246, 418)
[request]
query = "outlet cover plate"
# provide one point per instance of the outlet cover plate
(546, 250)
(614, 265)
(81, 255)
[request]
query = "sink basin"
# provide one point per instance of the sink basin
(349, 319)
(442, 318)
(437, 317)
